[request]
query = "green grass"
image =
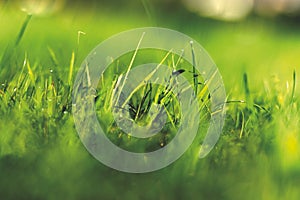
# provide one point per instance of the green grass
(41, 156)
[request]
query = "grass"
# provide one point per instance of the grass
(41, 156)
(144, 98)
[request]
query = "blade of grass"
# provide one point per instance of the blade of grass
(130, 66)
(22, 71)
(53, 56)
(195, 78)
(243, 125)
(149, 10)
(9, 55)
(294, 86)
(145, 94)
(147, 78)
(23, 29)
(88, 75)
(71, 68)
(31, 74)
(247, 90)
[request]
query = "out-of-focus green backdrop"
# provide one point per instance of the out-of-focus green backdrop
(259, 38)
(269, 43)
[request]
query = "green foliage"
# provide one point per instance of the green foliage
(41, 156)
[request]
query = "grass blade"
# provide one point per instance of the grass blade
(130, 66)
(71, 68)
(294, 86)
(22, 30)
(30, 72)
(195, 78)
(53, 56)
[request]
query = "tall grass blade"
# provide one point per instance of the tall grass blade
(247, 91)
(7, 67)
(71, 68)
(149, 10)
(246, 84)
(53, 56)
(147, 78)
(294, 86)
(195, 77)
(22, 71)
(31, 74)
(130, 66)
(22, 30)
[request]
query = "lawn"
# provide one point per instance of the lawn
(42, 157)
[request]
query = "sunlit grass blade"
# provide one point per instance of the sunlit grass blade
(71, 68)
(31, 74)
(147, 78)
(53, 56)
(130, 66)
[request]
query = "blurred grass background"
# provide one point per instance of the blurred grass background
(268, 44)
(260, 165)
